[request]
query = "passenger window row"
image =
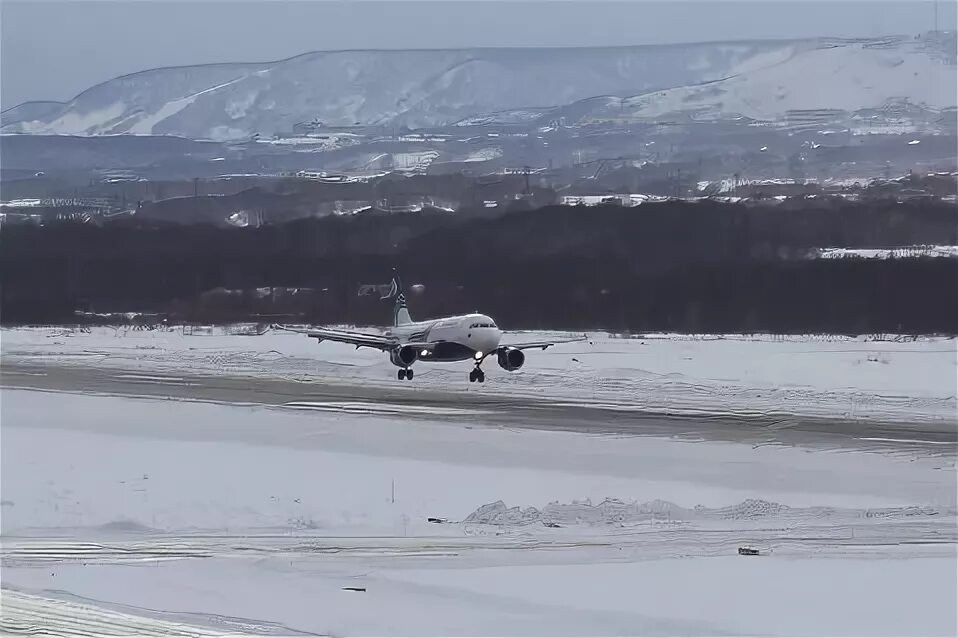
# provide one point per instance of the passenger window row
(482, 325)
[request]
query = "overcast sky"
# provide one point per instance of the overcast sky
(53, 49)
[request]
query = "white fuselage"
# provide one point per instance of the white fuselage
(451, 338)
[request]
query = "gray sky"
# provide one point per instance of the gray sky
(53, 49)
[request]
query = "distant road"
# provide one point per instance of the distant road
(484, 407)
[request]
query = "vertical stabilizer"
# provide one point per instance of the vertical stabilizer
(400, 310)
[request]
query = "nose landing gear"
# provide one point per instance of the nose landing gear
(477, 375)
(405, 373)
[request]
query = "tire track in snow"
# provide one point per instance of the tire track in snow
(32, 615)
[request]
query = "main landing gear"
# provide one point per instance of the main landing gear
(404, 373)
(477, 375)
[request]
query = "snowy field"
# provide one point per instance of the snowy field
(829, 376)
(134, 515)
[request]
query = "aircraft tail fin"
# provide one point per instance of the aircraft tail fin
(400, 310)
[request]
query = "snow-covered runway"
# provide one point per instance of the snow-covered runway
(369, 516)
(892, 379)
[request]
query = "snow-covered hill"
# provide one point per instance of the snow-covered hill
(847, 77)
(761, 80)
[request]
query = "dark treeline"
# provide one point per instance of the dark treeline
(673, 266)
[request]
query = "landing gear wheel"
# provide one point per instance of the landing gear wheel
(472, 375)
(401, 375)
(409, 374)
(480, 376)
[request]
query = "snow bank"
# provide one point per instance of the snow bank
(614, 511)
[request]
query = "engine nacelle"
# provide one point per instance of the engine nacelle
(403, 356)
(511, 359)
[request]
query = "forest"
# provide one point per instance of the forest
(671, 266)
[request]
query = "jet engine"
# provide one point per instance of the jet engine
(511, 359)
(404, 356)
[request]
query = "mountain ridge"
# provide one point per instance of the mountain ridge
(422, 88)
(372, 50)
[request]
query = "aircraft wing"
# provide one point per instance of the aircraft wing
(538, 344)
(358, 339)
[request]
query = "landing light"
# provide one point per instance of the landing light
(478, 355)
(424, 353)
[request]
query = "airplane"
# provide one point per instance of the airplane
(472, 337)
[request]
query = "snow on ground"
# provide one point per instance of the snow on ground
(841, 597)
(132, 515)
(887, 253)
(897, 380)
(484, 154)
(88, 448)
(414, 160)
(238, 518)
(688, 597)
(22, 203)
(326, 142)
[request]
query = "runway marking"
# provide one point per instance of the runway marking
(146, 378)
(622, 407)
(357, 407)
(921, 441)
(56, 356)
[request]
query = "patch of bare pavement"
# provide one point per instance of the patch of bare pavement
(482, 406)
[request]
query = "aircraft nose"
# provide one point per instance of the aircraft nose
(491, 339)
(485, 339)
